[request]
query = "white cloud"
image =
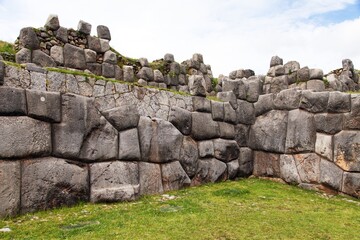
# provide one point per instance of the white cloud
(231, 34)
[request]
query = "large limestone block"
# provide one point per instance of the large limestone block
(173, 176)
(301, 132)
(314, 102)
(84, 27)
(288, 99)
(203, 126)
(288, 170)
(160, 141)
(329, 123)
(23, 56)
(330, 174)
(28, 38)
(264, 104)
(210, 170)
(9, 188)
(12, 101)
(52, 22)
(246, 162)
(352, 120)
(308, 166)
(245, 113)
(253, 88)
(217, 110)
(351, 184)
(103, 32)
(129, 147)
(266, 164)
(324, 145)
(197, 85)
(42, 59)
(339, 102)
(181, 119)
(275, 61)
(242, 134)
(226, 150)
(2, 72)
(44, 106)
(52, 182)
(228, 97)
(232, 169)
(23, 137)
(227, 130)
(189, 156)
(269, 132)
(123, 117)
(206, 148)
(146, 73)
(74, 57)
(150, 178)
(114, 181)
(230, 114)
(201, 104)
(347, 150)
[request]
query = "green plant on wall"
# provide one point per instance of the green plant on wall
(214, 82)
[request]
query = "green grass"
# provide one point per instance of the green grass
(7, 47)
(245, 209)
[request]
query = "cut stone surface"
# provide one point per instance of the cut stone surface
(217, 110)
(57, 53)
(276, 60)
(301, 132)
(189, 156)
(74, 57)
(203, 126)
(129, 148)
(51, 182)
(52, 22)
(233, 168)
(128, 74)
(84, 27)
(146, 73)
(12, 101)
(114, 181)
(123, 117)
(291, 66)
(23, 56)
(314, 102)
(330, 174)
(246, 162)
(95, 68)
(329, 123)
(227, 131)
(197, 85)
(210, 170)
(230, 114)
(288, 170)
(245, 113)
(174, 177)
(9, 188)
(316, 73)
(110, 57)
(352, 120)
(2, 72)
(28, 39)
(181, 119)
(269, 132)
(226, 150)
(266, 164)
(347, 150)
(90, 56)
(351, 184)
(206, 148)
(264, 104)
(150, 178)
(42, 59)
(339, 102)
(253, 89)
(303, 74)
(315, 85)
(308, 166)
(103, 32)
(324, 145)
(228, 97)
(108, 70)
(287, 99)
(24, 137)
(45, 106)
(62, 34)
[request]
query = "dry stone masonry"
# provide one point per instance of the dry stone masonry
(67, 137)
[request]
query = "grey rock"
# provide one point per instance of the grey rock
(150, 178)
(95, 68)
(103, 32)
(12, 101)
(228, 96)
(62, 34)
(57, 53)
(56, 82)
(303, 74)
(352, 119)
(144, 62)
(74, 57)
(288, 170)
(90, 56)
(160, 141)
(28, 39)
(226, 150)
(129, 148)
(233, 168)
(308, 166)
(264, 104)
(301, 132)
(329, 123)
(128, 74)
(246, 162)
(276, 60)
(52, 182)
(315, 85)
(114, 181)
(23, 56)
(292, 78)
(119, 75)
(316, 73)
(45, 106)
(351, 183)
(198, 57)
(10, 188)
(142, 82)
(248, 73)
(287, 99)
(71, 84)
(85, 89)
(174, 177)
(242, 134)
(346, 150)
(206, 148)
(276, 71)
(146, 73)
(324, 145)
(314, 102)
(217, 110)
(291, 66)
(189, 156)
(123, 117)
(108, 70)
(197, 85)
(32, 67)
(339, 102)
(38, 81)
(52, 22)
(230, 115)
(23, 137)
(203, 127)
(158, 76)
(236, 86)
(347, 64)
(330, 175)
(266, 164)
(269, 132)
(254, 89)
(42, 59)
(175, 68)
(227, 131)
(278, 84)
(84, 27)
(181, 119)
(94, 44)
(245, 113)
(169, 57)
(210, 170)
(110, 57)
(201, 104)
(104, 45)
(2, 72)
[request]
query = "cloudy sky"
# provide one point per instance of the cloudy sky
(231, 34)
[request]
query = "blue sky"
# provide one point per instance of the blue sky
(231, 34)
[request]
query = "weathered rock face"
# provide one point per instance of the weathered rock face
(226, 150)
(74, 57)
(12, 102)
(181, 119)
(308, 166)
(189, 156)
(203, 126)
(150, 178)
(28, 38)
(9, 188)
(288, 169)
(330, 174)
(44, 106)
(210, 170)
(351, 184)
(347, 150)
(52, 182)
(129, 147)
(174, 177)
(266, 164)
(246, 162)
(123, 117)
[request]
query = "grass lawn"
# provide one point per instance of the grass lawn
(244, 209)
